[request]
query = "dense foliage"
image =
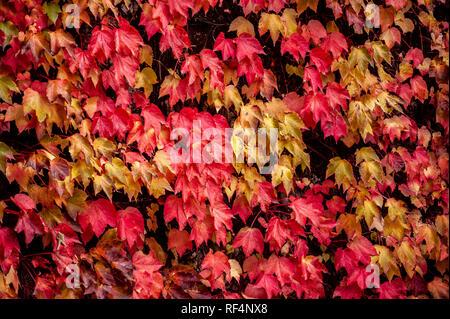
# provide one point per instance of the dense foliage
(91, 92)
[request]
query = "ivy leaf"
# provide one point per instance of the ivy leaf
(363, 249)
(24, 202)
(242, 25)
(272, 23)
(31, 224)
(179, 240)
(320, 59)
(414, 55)
(222, 215)
(127, 39)
(335, 43)
(247, 47)
(6, 86)
(217, 263)
(176, 38)
(8, 242)
(97, 216)
(296, 45)
(250, 239)
(101, 44)
(130, 226)
(226, 46)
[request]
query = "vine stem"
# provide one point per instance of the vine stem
(260, 211)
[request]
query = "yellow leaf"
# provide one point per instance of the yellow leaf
(360, 58)
(76, 203)
(275, 108)
(366, 154)
(381, 52)
(158, 186)
(405, 71)
(80, 169)
(145, 79)
(289, 19)
(146, 55)
(302, 5)
(231, 96)
(370, 170)
(395, 227)
(242, 25)
(6, 86)
(52, 113)
(406, 255)
(117, 170)
(270, 22)
(387, 261)
(283, 173)
(371, 214)
(342, 171)
(104, 147)
(103, 182)
(350, 224)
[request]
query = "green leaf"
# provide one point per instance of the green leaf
(52, 10)
(6, 86)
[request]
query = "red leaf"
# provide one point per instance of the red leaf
(8, 242)
(336, 205)
(148, 281)
(345, 258)
(315, 108)
(101, 43)
(192, 66)
(279, 231)
(179, 240)
(397, 4)
(296, 45)
(320, 59)
(395, 289)
(270, 285)
(316, 31)
(347, 291)
(127, 39)
(153, 117)
(414, 55)
(337, 96)
(31, 224)
(335, 43)
(419, 87)
(313, 77)
(103, 126)
(363, 249)
(241, 208)
(263, 195)
(226, 46)
(210, 60)
(173, 209)
(306, 209)
(176, 38)
(222, 215)
(247, 47)
(202, 230)
(336, 128)
(282, 267)
(125, 66)
(217, 263)
(98, 215)
(130, 226)
(249, 239)
(147, 263)
(24, 202)
(251, 68)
